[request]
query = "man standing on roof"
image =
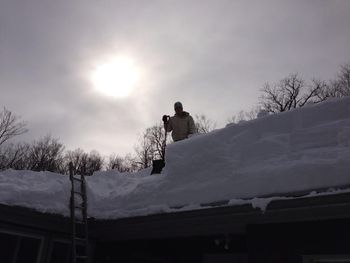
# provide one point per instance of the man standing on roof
(181, 124)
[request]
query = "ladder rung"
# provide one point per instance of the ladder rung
(78, 179)
(80, 239)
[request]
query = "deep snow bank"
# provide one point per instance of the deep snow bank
(303, 149)
(300, 150)
(45, 191)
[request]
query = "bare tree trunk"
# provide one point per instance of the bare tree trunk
(10, 126)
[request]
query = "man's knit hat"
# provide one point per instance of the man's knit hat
(178, 104)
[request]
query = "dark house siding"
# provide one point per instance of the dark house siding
(27, 236)
(222, 220)
(288, 242)
(288, 231)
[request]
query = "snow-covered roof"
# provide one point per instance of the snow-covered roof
(299, 151)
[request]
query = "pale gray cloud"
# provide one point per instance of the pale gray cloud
(212, 55)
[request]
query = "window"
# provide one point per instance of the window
(19, 248)
(60, 252)
(8, 245)
(326, 259)
(223, 258)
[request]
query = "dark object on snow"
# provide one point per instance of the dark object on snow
(158, 166)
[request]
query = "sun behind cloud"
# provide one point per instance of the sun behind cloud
(116, 77)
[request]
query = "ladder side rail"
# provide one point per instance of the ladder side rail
(85, 205)
(72, 213)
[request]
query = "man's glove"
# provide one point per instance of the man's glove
(165, 118)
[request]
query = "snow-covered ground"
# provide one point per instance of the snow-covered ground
(252, 162)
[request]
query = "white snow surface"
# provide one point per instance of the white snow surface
(254, 162)
(44, 191)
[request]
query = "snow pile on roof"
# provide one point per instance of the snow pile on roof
(296, 151)
(299, 150)
(302, 150)
(45, 191)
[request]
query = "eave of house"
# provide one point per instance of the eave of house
(204, 222)
(17, 217)
(222, 220)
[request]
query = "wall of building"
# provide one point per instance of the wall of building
(297, 242)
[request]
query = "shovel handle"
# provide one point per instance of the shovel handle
(165, 136)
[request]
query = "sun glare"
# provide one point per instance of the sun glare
(116, 77)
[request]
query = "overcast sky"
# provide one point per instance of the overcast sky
(214, 56)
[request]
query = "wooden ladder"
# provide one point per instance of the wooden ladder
(78, 212)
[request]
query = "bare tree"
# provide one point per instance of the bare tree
(344, 80)
(115, 162)
(144, 151)
(46, 154)
(94, 163)
(79, 160)
(244, 115)
(10, 126)
(130, 163)
(336, 88)
(151, 145)
(14, 156)
(291, 92)
(122, 164)
(326, 90)
(204, 124)
(83, 163)
(156, 137)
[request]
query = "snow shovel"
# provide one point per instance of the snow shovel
(158, 165)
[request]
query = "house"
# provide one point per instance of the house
(304, 229)
(275, 189)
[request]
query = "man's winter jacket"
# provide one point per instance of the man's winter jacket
(181, 125)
